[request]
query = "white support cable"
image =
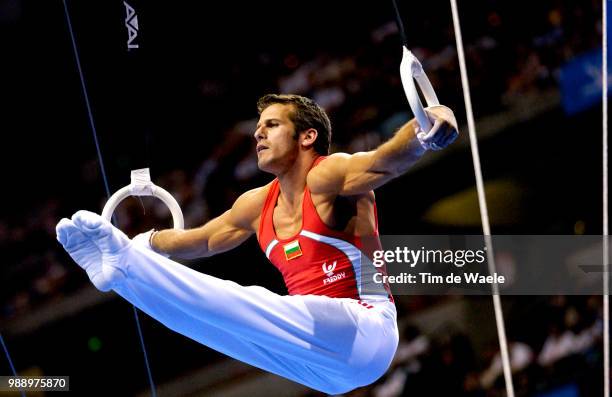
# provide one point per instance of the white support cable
(606, 247)
(484, 214)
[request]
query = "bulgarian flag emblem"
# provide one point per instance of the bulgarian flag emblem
(292, 250)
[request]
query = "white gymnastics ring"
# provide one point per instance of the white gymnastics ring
(142, 186)
(410, 70)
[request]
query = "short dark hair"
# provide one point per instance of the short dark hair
(306, 114)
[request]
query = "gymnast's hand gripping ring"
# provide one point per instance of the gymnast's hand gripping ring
(141, 185)
(410, 70)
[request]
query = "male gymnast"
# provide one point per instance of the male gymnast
(336, 330)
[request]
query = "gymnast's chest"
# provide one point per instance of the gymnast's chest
(286, 222)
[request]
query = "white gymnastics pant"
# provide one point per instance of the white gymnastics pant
(329, 344)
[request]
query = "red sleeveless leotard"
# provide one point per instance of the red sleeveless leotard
(319, 260)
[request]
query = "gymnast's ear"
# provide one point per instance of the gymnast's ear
(308, 138)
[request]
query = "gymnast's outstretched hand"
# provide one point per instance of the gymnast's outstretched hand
(96, 246)
(144, 240)
(444, 130)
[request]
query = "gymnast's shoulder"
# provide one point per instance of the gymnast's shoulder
(248, 206)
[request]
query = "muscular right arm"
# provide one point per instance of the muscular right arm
(220, 234)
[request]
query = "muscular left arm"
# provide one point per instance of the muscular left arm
(361, 172)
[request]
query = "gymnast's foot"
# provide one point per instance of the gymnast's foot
(96, 246)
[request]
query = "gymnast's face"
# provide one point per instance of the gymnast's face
(277, 146)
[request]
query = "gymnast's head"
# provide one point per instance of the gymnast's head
(291, 128)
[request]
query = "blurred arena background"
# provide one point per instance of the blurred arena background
(183, 104)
